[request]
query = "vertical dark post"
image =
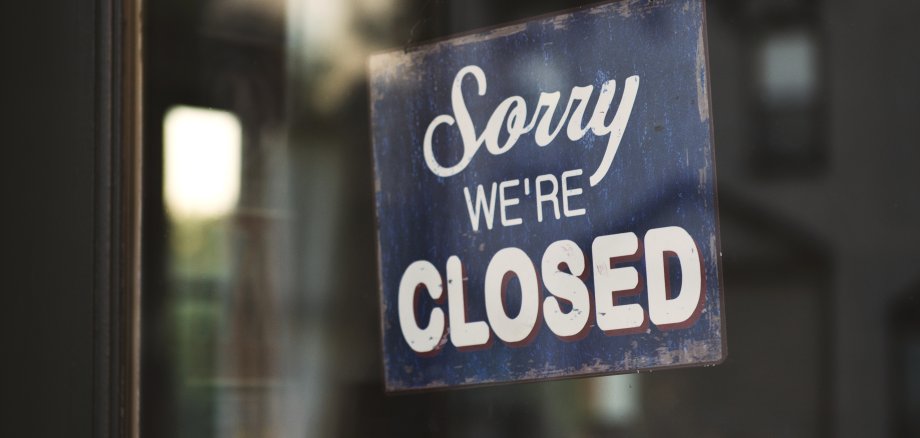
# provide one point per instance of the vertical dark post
(69, 222)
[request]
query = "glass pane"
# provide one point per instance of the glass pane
(261, 301)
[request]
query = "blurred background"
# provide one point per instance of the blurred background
(260, 303)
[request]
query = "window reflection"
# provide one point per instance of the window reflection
(261, 313)
(788, 65)
(617, 401)
(202, 170)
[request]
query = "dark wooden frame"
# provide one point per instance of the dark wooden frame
(117, 222)
(71, 228)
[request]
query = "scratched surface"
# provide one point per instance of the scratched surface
(663, 175)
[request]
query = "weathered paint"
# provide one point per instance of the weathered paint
(663, 175)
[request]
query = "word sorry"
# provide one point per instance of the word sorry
(512, 114)
(563, 267)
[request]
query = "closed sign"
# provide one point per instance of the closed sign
(546, 199)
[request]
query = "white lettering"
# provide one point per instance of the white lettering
(420, 274)
(664, 310)
(617, 127)
(487, 208)
(566, 194)
(608, 281)
(543, 197)
(462, 333)
(566, 286)
(512, 113)
(505, 201)
(562, 266)
(512, 261)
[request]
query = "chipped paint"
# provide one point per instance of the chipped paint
(487, 36)
(702, 96)
(561, 22)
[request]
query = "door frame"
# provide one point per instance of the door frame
(117, 219)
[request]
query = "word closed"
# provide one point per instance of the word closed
(562, 266)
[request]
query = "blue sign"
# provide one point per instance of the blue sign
(546, 199)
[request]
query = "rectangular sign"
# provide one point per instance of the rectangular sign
(546, 199)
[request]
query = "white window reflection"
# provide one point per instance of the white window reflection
(617, 400)
(788, 62)
(202, 162)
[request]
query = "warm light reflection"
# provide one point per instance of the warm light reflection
(202, 162)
